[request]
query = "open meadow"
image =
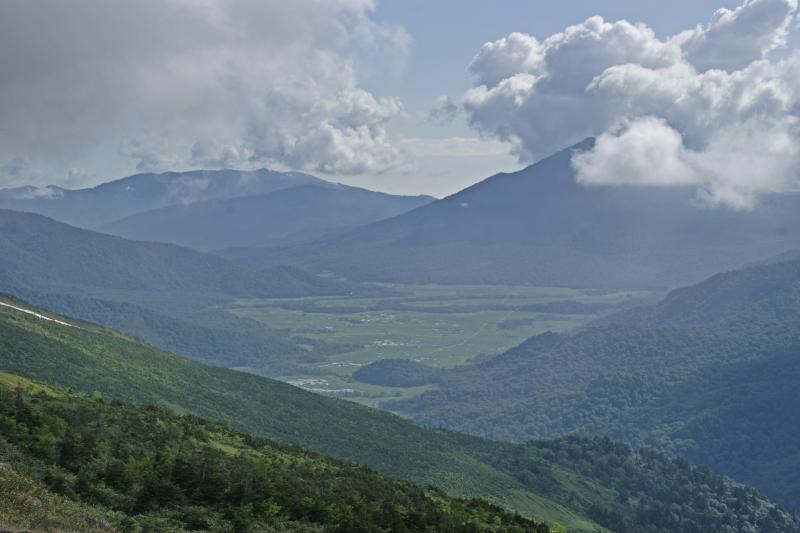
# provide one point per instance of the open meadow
(437, 325)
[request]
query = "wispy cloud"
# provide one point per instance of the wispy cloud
(197, 82)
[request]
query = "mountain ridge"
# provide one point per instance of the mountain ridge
(289, 215)
(94, 206)
(38, 249)
(540, 226)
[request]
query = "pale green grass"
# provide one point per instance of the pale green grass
(26, 505)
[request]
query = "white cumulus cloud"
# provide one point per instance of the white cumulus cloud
(735, 38)
(708, 107)
(516, 54)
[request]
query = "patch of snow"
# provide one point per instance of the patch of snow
(37, 315)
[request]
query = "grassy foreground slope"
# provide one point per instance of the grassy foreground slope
(147, 468)
(585, 484)
(90, 358)
(28, 504)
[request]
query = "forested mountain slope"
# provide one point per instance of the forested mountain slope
(765, 292)
(38, 252)
(708, 373)
(572, 481)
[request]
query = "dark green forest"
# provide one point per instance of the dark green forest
(148, 469)
(708, 374)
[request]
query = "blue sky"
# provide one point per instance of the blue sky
(343, 89)
(447, 33)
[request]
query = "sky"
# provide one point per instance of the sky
(404, 96)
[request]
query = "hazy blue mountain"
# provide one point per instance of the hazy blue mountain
(36, 251)
(540, 226)
(788, 255)
(93, 207)
(709, 373)
(288, 215)
(30, 192)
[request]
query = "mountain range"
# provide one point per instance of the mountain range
(537, 225)
(40, 252)
(213, 209)
(540, 226)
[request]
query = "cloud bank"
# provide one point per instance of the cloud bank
(714, 107)
(189, 83)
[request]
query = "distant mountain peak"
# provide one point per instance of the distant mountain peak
(95, 206)
(307, 211)
(539, 225)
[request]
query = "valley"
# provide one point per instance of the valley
(361, 266)
(442, 326)
(103, 377)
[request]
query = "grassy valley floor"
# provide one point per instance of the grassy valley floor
(438, 325)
